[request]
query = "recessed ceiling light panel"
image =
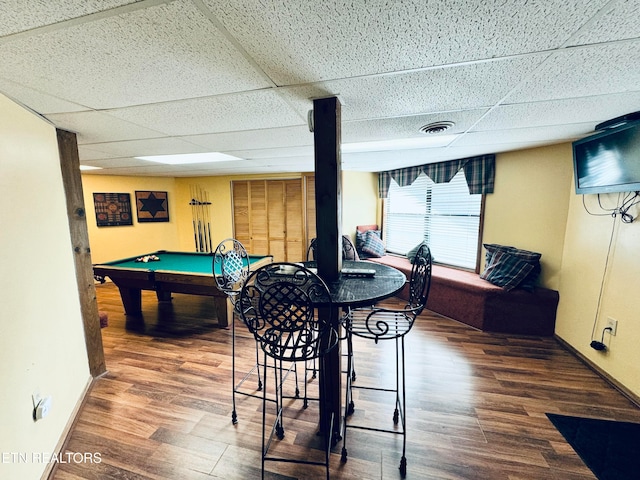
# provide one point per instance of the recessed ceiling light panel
(190, 158)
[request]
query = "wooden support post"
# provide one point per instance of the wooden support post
(72, 180)
(328, 171)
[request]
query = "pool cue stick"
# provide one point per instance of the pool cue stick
(193, 217)
(199, 207)
(204, 225)
(208, 209)
(201, 233)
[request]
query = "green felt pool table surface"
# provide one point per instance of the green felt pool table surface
(174, 272)
(185, 262)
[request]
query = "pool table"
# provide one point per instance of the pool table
(177, 272)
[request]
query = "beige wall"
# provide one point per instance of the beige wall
(42, 343)
(529, 206)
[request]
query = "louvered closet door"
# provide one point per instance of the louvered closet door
(294, 220)
(258, 219)
(270, 217)
(310, 191)
(277, 221)
(241, 222)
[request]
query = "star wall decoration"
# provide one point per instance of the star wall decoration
(152, 206)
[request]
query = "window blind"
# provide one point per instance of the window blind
(444, 215)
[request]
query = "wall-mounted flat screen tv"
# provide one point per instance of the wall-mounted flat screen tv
(608, 161)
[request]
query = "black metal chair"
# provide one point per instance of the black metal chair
(378, 324)
(311, 251)
(348, 249)
(230, 271)
(278, 305)
(348, 253)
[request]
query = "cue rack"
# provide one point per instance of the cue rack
(201, 215)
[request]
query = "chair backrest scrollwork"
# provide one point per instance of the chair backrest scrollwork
(420, 281)
(278, 304)
(230, 266)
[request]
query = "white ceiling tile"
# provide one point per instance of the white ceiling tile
(37, 101)
(407, 126)
(161, 53)
(435, 90)
(90, 153)
(301, 41)
(184, 76)
(223, 113)
(553, 133)
(122, 162)
(453, 152)
(557, 112)
(262, 138)
(145, 147)
(261, 166)
(583, 71)
(96, 127)
(618, 21)
(274, 153)
(20, 15)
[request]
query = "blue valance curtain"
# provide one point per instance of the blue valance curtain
(479, 172)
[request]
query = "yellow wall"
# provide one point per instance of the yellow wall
(586, 271)
(535, 207)
(360, 201)
(111, 243)
(42, 345)
(359, 194)
(529, 206)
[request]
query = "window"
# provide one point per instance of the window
(444, 215)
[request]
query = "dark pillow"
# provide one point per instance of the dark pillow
(532, 258)
(506, 270)
(411, 254)
(373, 245)
(360, 239)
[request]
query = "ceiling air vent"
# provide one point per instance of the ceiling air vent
(436, 127)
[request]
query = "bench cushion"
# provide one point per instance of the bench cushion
(464, 296)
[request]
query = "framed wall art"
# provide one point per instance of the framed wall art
(112, 209)
(152, 206)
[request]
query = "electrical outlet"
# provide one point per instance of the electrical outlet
(43, 408)
(612, 323)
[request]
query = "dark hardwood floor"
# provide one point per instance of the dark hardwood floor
(476, 404)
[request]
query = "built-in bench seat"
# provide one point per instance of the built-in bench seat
(464, 296)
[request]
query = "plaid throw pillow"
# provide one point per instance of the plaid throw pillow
(373, 245)
(532, 258)
(506, 270)
(360, 239)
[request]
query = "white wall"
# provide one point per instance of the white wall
(42, 343)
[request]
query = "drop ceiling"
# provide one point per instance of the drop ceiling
(152, 77)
